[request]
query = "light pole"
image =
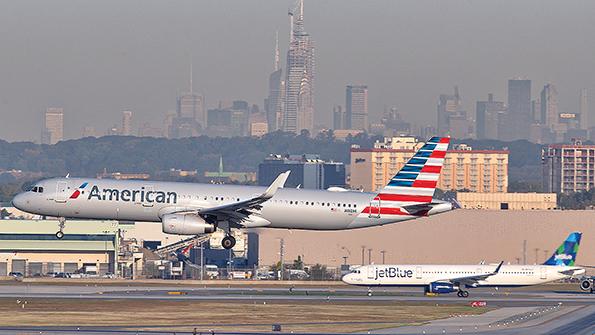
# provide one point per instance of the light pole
(370, 256)
(363, 251)
(383, 252)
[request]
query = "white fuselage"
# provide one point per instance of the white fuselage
(128, 200)
(424, 275)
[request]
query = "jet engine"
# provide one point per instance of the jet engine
(438, 287)
(186, 224)
(588, 284)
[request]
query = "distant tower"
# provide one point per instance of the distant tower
(299, 84)
(584, 109)
(549, 105)
(53, 131)
(356, 107)
(191, 116)
(274, 102)
(518, 118)
(126, 129)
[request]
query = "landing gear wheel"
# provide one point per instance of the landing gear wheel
(464, 294)
(61, 224)
(369, 292)
(228, 242)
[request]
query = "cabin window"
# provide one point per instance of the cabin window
(307, 203)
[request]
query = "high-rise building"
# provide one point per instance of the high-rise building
(549, 106)
(518, 118)
(488, 118)
(53, 131)
(356, 107)
(452, 119)
(274, 102)
(298, 111)
(568, 168)
(126, 129)
(338, 117)
(584, 109)
(191, 117)
(464, 168)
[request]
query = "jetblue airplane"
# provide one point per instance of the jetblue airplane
(455, 278)
(193, 209)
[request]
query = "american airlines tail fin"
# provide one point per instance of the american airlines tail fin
(416, 182)
(566, 252)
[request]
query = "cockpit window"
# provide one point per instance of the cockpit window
(40, 189)
(34, 189)
(37, 189)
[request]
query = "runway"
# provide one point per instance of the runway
(529, 311)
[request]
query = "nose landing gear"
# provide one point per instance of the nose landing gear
(61, 224)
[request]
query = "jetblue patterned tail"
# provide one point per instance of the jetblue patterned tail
(416, 182)
(566, 252)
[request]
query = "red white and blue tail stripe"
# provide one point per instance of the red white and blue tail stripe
(416, 181)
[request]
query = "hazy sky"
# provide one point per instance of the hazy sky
(98, 58)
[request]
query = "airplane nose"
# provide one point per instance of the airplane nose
(347, 278)
(18, 201)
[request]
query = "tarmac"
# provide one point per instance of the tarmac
(535, 311)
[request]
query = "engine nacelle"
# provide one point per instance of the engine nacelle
(442, 288)
(588, 284)
(186, 224)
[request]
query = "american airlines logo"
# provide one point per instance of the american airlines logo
(139, 195)
(563, 257)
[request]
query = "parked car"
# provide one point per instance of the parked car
(16, 274)
(212, 271)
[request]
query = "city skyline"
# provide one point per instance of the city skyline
(94, 87)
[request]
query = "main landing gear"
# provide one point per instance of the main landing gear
(462, 294)
(61, 224)
(228, 242)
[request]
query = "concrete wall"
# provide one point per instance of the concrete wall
(462, 236)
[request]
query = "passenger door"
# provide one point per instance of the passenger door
(418, 272)
(543, 272)
(61, 192)
(371, 272)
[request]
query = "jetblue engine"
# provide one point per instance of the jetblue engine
(186, 224)
(588, 284)
(438, 287)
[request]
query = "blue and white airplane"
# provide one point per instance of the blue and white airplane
(455, 278)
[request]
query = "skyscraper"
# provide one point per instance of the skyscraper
(452, 119)
(356, 107)
(488, 118)
(299, 84)
(126, 129)
(549, 106)
(584, 109)
(338, 118)
(53, 131)
(190, 117)
(274, 102)
(518, 119)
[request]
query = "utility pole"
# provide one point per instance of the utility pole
(281, 256)
(536, 255)
(369, 256)
(345, 260)
(383, 252)
(363, 251)
(524, 252)
(202, 259)
(545, 252)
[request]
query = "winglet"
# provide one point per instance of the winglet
(275, 185)
(499, 266)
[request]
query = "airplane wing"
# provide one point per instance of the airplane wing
(473, 279)
(237, 212)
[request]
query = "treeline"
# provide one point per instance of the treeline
(90, 156)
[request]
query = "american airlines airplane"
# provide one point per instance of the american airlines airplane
(193, 209)
(455, 278)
